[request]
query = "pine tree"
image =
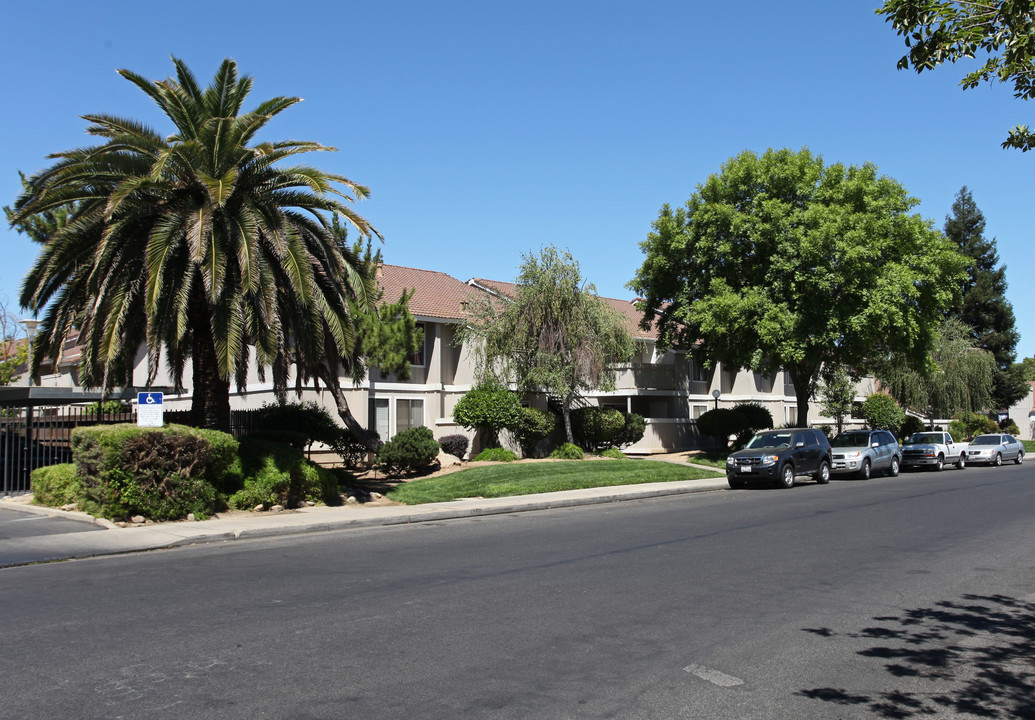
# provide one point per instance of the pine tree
(983, 305)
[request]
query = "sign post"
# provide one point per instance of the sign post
(149, 410)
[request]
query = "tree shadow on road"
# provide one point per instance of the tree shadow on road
(970, 657)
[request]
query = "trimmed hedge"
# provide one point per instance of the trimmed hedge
(55, 485)
(409, 451)
(161, 473)
(455, 445)
(278, 474)
(535, 425)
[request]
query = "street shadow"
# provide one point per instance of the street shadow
(973, 656)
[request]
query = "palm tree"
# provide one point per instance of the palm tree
(198, 242)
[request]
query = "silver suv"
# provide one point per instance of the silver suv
(863, 452)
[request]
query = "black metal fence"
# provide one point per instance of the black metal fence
(35, 437)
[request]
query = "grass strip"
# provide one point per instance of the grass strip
(505, 480)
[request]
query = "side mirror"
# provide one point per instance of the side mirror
(800, 443)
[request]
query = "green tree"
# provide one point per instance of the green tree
(1028, 368)
(781, 262)
(14, 350)
(983, 306)
(881, 412)
(1001, 31)
(555, 336)
(199, 242)
(838, 388)
(958, 378)
(490, 408)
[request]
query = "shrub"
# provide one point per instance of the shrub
(966, 425)
(299, 424)
(596, 427)
(881, 412)
(720, 423)
(278, 474)
(55, 485)
(409, 451)
(160, 473)
(496, 455)
(567, 451)
(1010, 428)
(613, 453)
(912, 424)
(455, 445)
(490, 408)
(755, 417)
(535, 425)
(635, 427)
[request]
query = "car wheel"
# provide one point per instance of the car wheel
(940, 463)
(864, 471)
(998, 460)
(1020, 458)
(823, 476)
(894, 469)
(786, 476)
(961, 462)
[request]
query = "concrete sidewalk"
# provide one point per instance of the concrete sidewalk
(114, 540)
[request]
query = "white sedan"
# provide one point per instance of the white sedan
(994, 449)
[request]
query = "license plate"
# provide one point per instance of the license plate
(744, 468)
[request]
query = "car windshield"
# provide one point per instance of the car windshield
(920, 438)
(855, 439)
(771, 440)
(985, 440)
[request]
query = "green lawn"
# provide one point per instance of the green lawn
(528, 478)
(1029, 446)
(713, 458)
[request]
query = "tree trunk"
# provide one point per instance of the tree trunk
(210, 403)
(801, 393)
(566, 413)
(360, 433)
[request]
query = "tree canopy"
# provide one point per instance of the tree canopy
(199, 242)
(779, 261)
(1001, 31)
(555, 335)
(983, 306)
(958, 379)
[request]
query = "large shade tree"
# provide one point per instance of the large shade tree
(201, 242)
(780, 261)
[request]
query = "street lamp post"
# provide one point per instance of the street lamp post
(715, 394)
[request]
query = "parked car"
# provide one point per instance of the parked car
(934, 450)
(862, 452)
(779, 457)
(994, 449)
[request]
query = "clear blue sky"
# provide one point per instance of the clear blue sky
(487, 130)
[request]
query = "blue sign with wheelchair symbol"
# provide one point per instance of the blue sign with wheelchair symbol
(149, 409)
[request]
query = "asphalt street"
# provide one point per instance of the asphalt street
(906, 597)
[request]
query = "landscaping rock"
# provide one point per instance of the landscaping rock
(138, 519)
(277, 508)
(258, 508)
(447, 460)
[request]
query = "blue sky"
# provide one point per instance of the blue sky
(487, 130)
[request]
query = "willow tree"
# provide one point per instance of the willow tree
(199, 242)
(958, 378)
(554, 334)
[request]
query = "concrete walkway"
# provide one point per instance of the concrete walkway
(112, 540)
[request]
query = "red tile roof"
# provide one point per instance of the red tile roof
(625, 308)
(436, 295)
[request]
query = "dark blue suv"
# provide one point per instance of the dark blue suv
(779, 457)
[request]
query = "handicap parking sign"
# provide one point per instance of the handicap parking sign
(149, 409)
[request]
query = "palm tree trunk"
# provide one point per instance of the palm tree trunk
(210, 402)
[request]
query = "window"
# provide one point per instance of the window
(697, 371)
(409, 413)
(697, 411)
(378, 420)
(417, 359)
(792, 415)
